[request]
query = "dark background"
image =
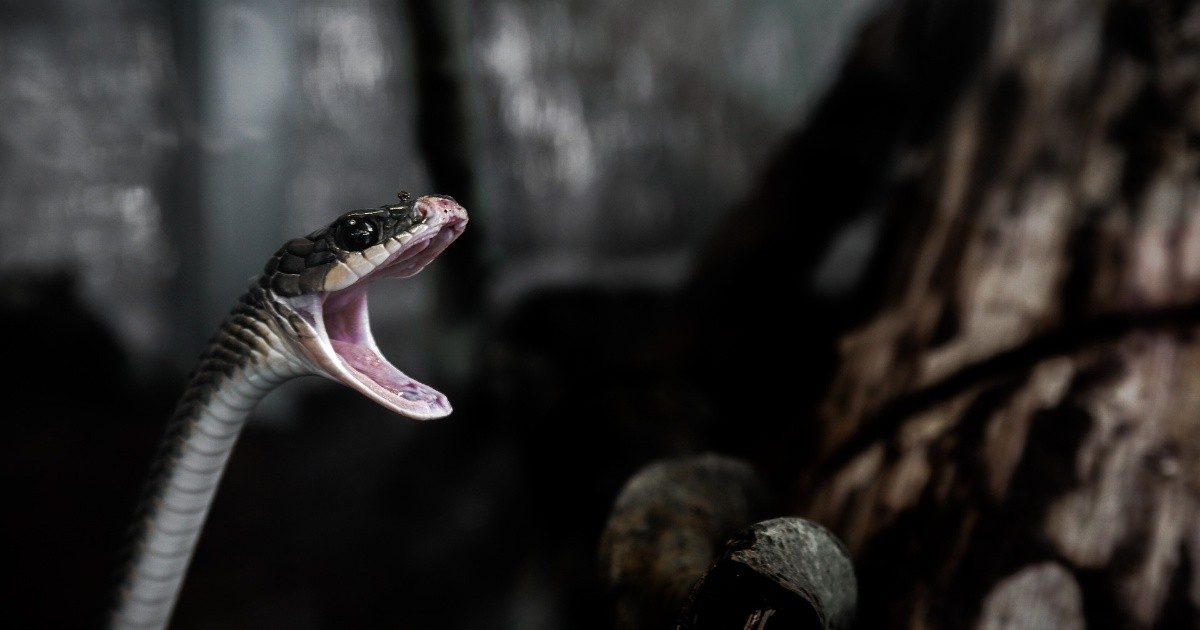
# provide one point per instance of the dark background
(592, 318)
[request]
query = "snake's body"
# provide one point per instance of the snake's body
(306, 314)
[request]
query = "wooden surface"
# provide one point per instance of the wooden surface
(1012, 438)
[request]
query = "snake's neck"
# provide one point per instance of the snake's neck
(243, 362)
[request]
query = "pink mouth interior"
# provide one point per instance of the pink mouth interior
(347, 323)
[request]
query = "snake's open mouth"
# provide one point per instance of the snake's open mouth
(343, 346)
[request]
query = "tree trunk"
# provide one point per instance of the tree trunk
(1013, 438)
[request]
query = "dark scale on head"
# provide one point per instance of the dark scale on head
(301, 264)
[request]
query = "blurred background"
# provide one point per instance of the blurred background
(154, 154)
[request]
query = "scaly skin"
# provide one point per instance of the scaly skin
(306, 314)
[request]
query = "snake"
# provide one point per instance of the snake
(305, 314)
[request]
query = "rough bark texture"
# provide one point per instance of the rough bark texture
(1012, 440)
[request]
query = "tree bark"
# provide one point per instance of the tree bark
(1012, 439)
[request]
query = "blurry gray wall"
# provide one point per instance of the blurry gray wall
(162, 151)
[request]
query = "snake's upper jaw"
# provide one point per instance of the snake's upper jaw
(341, 345)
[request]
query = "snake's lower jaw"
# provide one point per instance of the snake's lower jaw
(339, 346)
(367, 371)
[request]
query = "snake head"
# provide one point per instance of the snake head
(318, 285)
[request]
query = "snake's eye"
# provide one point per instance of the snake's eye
(356, 234)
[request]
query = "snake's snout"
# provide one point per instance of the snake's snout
(442, 207)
